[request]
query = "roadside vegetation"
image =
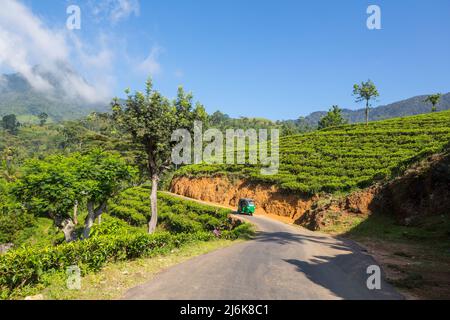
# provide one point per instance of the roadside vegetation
(117, 239)
(113, 281)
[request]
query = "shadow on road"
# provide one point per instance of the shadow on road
(282, 237)
(352, 285)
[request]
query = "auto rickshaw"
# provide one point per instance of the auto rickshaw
(246, 206)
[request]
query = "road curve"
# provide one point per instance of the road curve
(281, 262)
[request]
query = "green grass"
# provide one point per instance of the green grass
(433, 229)
(430, 231)
(348, 157)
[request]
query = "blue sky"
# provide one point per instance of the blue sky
(273, 59)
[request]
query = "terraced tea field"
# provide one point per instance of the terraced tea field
(346, 157)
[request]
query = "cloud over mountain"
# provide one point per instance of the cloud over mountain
(25, 41)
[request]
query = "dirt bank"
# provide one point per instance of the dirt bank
(270, 200)
(222, 190)
(423, 191)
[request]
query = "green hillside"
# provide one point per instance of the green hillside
(347, 157)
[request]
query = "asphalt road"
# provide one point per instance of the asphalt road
(282, 262)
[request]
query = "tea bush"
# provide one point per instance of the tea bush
(26, 265)
(175, 215)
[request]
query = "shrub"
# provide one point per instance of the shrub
(175, 214)
(243, 231)
(178, 223)
(128, 214)
(26, 266)
(12, 221)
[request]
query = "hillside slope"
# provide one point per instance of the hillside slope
(345, 158)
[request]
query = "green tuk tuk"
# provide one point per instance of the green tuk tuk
(246, 206)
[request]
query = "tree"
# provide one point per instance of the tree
(10, 123)
(288, 129)
(303, 125)
(218, 118)
(55, 185)
(42, 118)
(102, 176)
(9, 170)
(151, 119)
(333, 118)
(365, 92)
(434, 100)
(49, 188)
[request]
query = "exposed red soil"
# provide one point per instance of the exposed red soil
(224, 191)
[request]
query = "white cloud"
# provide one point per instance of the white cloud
(151, 65)
(26, 42)
(124, 8)
(21, 31)
(115, 10)
(2, 81)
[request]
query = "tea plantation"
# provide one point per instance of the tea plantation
(346, 157)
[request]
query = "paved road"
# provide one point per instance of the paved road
(282, 262)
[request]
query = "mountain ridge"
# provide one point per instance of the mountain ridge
(407, 107)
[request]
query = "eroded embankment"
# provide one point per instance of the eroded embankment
(225, 191)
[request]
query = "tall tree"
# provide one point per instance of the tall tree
(151, 119)
(366, 91)
(10, 123)
(42, 118)
(333, 118)
(434, 100)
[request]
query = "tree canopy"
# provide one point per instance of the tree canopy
(10, 123)
(434, 100)
(366, 91)
(333, 118)
(52, 186)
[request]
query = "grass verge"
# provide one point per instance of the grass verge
(416, 259)
(116, 278)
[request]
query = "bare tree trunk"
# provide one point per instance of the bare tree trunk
(367, 112)
(67, 227)
(75, 212)
(92, 215)
(153, 205)
(89, 222)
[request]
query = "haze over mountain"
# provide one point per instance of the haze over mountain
(61, 99)
(64, 94)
